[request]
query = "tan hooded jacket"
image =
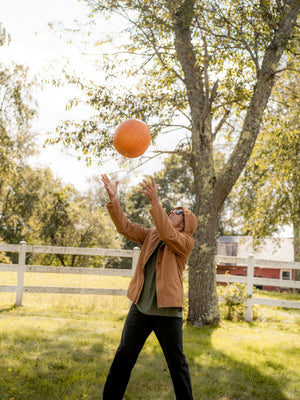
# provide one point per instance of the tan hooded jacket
(172, 256)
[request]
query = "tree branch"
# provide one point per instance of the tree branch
(221, 123)
(260, 97)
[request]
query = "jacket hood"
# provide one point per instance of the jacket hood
(190, 220)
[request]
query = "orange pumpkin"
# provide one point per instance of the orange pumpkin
(132, 138)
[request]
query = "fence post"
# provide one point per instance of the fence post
(250, 276)
(135, 257)
(21, 271)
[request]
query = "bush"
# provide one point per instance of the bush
(234, 304)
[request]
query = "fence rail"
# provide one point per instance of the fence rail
(250, 280)
(21, 268)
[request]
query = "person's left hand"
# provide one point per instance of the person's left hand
(150, 190)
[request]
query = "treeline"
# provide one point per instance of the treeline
(39, 209)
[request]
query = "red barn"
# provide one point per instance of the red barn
(277, 249)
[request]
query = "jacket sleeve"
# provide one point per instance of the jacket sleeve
(180, 243)
(126, 228)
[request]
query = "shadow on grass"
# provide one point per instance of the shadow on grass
(217, 376)
(7, 309)
(71, 363)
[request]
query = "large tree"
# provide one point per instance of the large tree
(204, 66)
(17, 111)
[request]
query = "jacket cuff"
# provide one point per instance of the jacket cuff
(112, 202)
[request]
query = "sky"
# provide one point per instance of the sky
(42, 49)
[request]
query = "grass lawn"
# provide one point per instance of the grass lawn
(61, 346)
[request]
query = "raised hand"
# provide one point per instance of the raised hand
(109, 186)
(150, 190)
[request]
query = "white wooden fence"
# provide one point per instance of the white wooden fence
(250, 280)
(21, 268)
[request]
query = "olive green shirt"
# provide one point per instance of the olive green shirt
(147, 303)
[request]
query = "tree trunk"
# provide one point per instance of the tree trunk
(203, 299)
(296, 244)
(211, 188)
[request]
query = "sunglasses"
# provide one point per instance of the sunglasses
(178, 211)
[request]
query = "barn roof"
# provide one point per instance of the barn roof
(280, 249)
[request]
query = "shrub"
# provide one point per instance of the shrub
(234, 296)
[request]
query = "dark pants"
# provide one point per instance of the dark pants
(137, 328)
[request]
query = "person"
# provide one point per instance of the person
(155, 290)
